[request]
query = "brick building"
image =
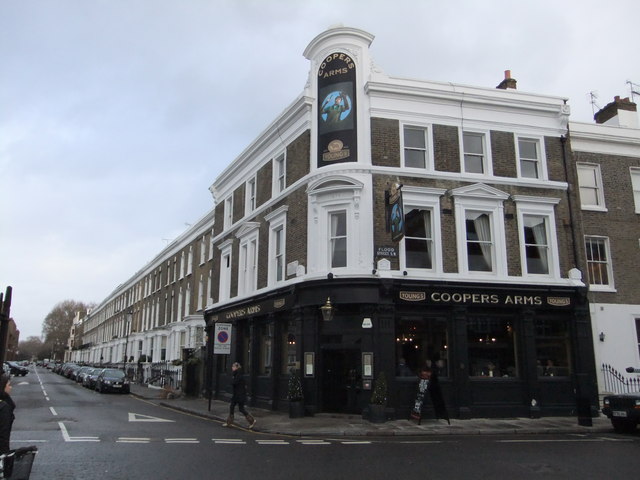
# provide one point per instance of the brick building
(607, 159)
(382, 224)
(433, 221)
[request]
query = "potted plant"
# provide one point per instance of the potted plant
(295, 396)
(378, 400)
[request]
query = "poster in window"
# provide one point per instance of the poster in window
(336, 110)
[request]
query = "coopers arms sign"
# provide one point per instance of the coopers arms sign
(442, 297)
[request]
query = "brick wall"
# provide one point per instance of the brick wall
(446, 148)
(385, 142)
(503, 154)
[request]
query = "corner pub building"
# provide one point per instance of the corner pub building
(382, 224)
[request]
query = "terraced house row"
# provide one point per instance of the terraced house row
(383, 225)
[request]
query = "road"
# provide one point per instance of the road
(85, 435)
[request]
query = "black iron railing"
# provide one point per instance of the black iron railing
(616, 382)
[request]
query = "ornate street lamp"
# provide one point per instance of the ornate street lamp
(327, 310)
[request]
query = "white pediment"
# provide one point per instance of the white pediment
(247, 228)
(479, 190)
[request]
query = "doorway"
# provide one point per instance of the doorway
(341, 380)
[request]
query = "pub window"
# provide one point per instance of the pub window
(421, 343)
(418, 239)
(552, 348)
(480, 245)
(288, 343)
(338, 239)
(492, 352)
(265, 337)
(536, 244)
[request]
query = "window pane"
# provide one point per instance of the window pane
(414, 138)
(479, 243)
(473, 164)
(528, 149)
(597, 261)
(529, 169)
(421, 343)
(288, 341)
(552, 348)
(536, 248)
(418, 251)
(473, 143)
(491, 348)
(414, 158)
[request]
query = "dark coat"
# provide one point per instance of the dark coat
(6, 422)
(239, 387)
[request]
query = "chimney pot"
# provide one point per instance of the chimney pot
(508, 82)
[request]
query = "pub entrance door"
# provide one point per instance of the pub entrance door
(341, 379)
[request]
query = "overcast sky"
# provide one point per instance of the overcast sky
(117, 115)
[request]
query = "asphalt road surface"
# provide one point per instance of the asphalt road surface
(82, 434)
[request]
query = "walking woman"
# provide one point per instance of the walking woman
(239, 397)
(6, 413)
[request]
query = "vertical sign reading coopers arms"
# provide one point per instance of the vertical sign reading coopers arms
(337, 110)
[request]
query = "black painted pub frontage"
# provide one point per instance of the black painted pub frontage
(499, 350)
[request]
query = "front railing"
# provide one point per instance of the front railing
(616, 382)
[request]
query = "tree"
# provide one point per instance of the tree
(57, 325)
(32, 347)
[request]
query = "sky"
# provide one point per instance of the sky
(117, 115)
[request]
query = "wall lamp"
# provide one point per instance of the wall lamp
(327, 311)
(602, 336)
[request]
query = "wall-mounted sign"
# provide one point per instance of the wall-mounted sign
(337, 110)
(395, 212)
(453, 297)
(386, 252)
(222, 338)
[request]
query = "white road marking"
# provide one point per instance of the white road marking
(560, 440)
(313, 442)
(181, 440)
(137, 417)
(67, 438)
(132, 440)
(356, 442)
(53, 412)
(272, 442)
(229, 441)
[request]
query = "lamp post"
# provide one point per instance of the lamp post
(127, 323)
(327, 310)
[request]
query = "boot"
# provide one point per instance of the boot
(250, 420)
(229, 421)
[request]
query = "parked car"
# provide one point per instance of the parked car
(16, 369)
(80, 374)
(623, 409)
(89, 380)
(112, 380)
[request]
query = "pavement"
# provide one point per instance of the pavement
(325, 424)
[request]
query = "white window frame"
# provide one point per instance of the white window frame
(424, 199)
(251, 188)
(542, 207)
(226, 263)
(608, 287)
(228, 212)
(277, 222)
(203, 250)
(279, 174)
(428, 150)
(594, 169)
(211, 245)
(541, 159)
(481, 198)
(329, 195)
(635, 186)
(248, 258)
(332, 238)
(487, 167)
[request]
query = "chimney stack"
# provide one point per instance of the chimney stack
(622, 112)
(508, 82)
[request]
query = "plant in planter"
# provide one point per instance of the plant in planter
(378, 400)
(295, 396)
